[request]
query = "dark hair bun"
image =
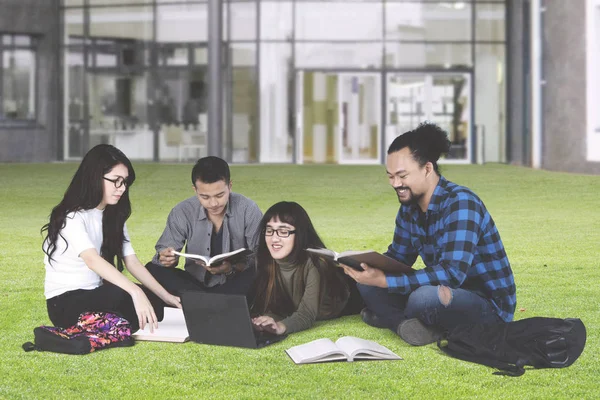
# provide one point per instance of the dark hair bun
(431, 140)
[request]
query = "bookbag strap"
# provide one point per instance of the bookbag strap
(28, 346)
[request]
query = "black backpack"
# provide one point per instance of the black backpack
(538, 342)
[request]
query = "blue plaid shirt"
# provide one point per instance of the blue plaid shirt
(459, 244)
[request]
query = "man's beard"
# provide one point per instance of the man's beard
(412, 199)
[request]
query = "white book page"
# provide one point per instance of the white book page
(350, 253)
(171, 329)
(319, 350)
(194, 256)
(366, 349)
(224, 255)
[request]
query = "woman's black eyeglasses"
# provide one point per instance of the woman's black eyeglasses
(120, 181)
(281, 232)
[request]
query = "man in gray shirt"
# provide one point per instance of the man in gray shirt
(212, 222)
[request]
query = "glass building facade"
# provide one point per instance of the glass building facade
(303, 81)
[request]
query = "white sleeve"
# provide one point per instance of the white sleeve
(127, 247)
(75, 234)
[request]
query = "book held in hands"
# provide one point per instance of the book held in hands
(347, 348)
(232, 256)
(353, 259)
(171, 329)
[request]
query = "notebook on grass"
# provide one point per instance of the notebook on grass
(222, 319)
(171, 329)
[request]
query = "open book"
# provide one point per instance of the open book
(171, 329)
(353, 259)
(346, 348)
(232, 256)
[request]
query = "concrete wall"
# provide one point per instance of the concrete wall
(38, 142)
(564, 108)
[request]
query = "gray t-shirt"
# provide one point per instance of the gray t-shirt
(188, 225)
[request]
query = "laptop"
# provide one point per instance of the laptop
(222, 319)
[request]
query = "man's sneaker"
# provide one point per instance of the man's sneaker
(414, 332)
(370, 318)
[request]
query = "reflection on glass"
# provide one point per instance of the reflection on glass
(117, 2)
(173, 55)
(318, 116)
(242, 20)
(180, 111)
(439, 98)
(73, 23)
(428, 21)
(338, 20)
(450, 110)
(597, 40)
(182, 23)
(340, 55)
(74, 93)
(441, 55)
(276, 20)
(360, 113)
(490, 22)
(276, 102)
(338, 117)
(200, 56)
(122, 22)
(490, 97)
(244, 119)
(18, 84)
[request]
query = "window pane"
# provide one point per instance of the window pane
(73, 24)
(440, 55)
(338, 20)
(244, 140)
(74, 88)
(122, 22)
(173, 55)
(242, 20)
(442, 98)
(21, 40)
(490, 97)
(114, 2)
(276, 102)
(72, 3)
(490, 22)
(18, 83)
(597, 57)
(182, 23)
(360, 55)
(428, 21)
(276, 20)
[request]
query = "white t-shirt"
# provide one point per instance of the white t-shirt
(83, 230)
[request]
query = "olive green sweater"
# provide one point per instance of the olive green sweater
(309, 295)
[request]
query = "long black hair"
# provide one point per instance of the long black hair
(85, 192)
(269, 294)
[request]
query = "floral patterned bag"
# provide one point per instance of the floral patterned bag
(93, 331)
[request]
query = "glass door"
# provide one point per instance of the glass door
(441, 98)
(359, 108)
(338, 117)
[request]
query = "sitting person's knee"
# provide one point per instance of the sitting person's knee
(431, 295)
(444, 295)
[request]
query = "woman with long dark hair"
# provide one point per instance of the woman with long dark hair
(87, 244)
(293, 289)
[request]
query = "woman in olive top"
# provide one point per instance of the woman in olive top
(293, 289)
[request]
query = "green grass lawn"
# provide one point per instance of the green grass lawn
(549, 222)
